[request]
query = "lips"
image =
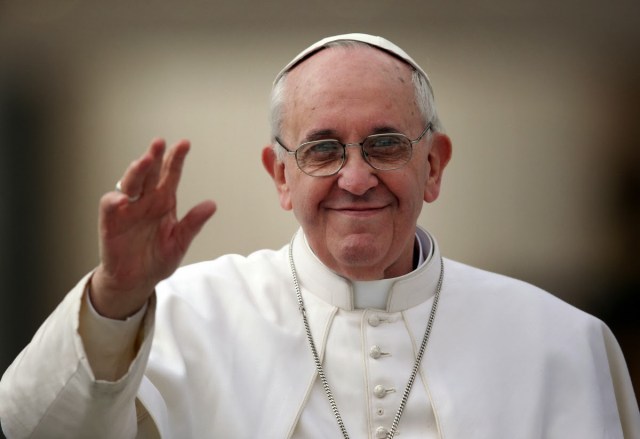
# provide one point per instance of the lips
(359, 210)
(362, 205)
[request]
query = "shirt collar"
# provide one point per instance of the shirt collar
(401, 292)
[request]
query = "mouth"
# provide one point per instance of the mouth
(359, 211)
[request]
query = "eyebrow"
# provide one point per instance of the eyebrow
(322, 134)
(384, 129)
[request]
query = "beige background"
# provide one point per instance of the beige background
(539, 99)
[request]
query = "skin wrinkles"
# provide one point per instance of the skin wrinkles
(329, 134)
(360, 222)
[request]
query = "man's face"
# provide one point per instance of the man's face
(360, 222)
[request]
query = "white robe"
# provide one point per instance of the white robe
(229, 359)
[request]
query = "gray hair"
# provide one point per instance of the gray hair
(423, 92)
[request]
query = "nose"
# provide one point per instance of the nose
(356, 175)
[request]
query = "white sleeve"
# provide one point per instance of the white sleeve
(623, 388)
(110, 345)
(51, 391)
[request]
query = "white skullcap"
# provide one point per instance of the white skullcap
(378, 42)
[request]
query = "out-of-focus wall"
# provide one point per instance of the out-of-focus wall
(540, 104)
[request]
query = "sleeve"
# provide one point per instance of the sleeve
(51, 391)
(622, 387)
(110, 345)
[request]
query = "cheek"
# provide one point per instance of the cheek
(297, 190)
(307, 194)
(409, 191)
(304, 209)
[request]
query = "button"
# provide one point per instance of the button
(374, 320)
(381, 433)
(380, 391)
(375, 352)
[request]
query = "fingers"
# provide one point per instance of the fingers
(153, 174)
(192, 223)
(142, 175)
(172, 166)
(154, 169)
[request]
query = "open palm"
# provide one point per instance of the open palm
(141, 239)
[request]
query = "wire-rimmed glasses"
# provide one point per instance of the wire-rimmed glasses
(385, 152)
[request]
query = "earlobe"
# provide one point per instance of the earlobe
(275, 168)
(439, 157)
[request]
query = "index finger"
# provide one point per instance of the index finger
(172, 165)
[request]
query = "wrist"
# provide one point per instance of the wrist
(115, 303)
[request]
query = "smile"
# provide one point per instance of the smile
(359, 211)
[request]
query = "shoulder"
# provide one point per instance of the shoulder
(461, 275)
(530, 351)
(228, 281)
(489, 310)
(231, 268)
(510, 298)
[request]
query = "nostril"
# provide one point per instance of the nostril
(357, 178)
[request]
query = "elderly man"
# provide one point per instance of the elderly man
(357, 328)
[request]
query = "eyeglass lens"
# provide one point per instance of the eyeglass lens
(381, 151)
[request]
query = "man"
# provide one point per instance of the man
(358, 327)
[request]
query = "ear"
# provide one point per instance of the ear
(275, 168)
(439, 156)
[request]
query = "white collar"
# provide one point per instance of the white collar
(375, 293)
(392, 295)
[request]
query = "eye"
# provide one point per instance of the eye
(318, 156)
(324, 147)
(383, 145)
(322, 150)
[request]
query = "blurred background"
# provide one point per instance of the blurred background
(540, 100)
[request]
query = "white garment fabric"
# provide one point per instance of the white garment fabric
(223, 354)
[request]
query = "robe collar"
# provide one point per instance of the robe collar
(404, 292)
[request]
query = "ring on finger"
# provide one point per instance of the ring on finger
(129, 197)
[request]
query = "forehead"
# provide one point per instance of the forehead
(348, 85)
(349, 51)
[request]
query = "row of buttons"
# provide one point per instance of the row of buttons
(379, 391)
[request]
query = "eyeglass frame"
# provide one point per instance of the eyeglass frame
(361, 145)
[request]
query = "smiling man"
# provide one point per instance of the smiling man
(357, 328)
(360, 221)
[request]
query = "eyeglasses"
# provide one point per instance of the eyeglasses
(385, 152)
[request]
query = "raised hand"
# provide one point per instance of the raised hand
(141, 239)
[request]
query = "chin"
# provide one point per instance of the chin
(359, 250)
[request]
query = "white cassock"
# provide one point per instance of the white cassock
(223, 354)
